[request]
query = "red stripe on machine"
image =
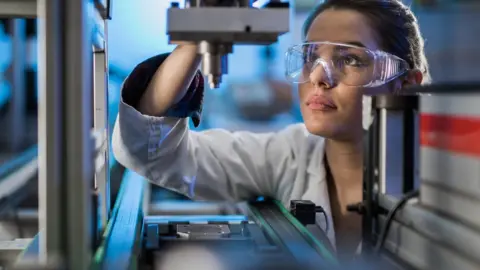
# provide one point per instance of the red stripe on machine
(459, 134)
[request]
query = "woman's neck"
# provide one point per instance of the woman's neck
(345, 155)
(344, 164)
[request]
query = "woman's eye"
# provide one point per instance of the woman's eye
(351, 60)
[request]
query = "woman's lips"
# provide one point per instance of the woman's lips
(321, 103)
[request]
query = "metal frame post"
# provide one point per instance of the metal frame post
(395, 124)
(370, 184)
(102, 175)
(65, 144)
(397, 143)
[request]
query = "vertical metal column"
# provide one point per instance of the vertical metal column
(65, 144)
(397, 143)
(102, 176)
(17, 110)
(391, 159)
(370, 185)
(50, 141)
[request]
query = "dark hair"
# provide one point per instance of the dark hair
(394, 23)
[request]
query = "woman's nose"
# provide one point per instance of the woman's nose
(321, 74)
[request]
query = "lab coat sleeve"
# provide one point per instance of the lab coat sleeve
(208, 165)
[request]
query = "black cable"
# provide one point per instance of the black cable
(319, 209)
(388, 222)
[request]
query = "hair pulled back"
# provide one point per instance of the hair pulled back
(394, 23)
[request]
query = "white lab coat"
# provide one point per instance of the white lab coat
(221, 165)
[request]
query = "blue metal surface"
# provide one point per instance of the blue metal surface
(122, 245)
(195, 218)
(20, 160)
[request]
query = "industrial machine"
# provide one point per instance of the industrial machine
(235, 22)
(429, 218)
(152, 234)
(80, 229)
(72, 142)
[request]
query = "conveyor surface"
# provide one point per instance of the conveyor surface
(267, 237)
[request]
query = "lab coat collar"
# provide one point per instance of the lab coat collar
(316, 157)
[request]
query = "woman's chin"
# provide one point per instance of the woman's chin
(320, 129)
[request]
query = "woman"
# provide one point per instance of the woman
(352, 47)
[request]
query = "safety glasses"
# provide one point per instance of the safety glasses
(337, 62)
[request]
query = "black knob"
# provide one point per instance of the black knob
(356, 207)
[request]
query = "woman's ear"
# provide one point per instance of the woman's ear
(413, 77)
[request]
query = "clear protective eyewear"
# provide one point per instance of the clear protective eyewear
(349, 64)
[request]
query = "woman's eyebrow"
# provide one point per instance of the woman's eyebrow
(354, 43)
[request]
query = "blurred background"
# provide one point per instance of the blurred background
(254, 95)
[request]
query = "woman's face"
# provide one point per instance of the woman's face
(344, 120)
